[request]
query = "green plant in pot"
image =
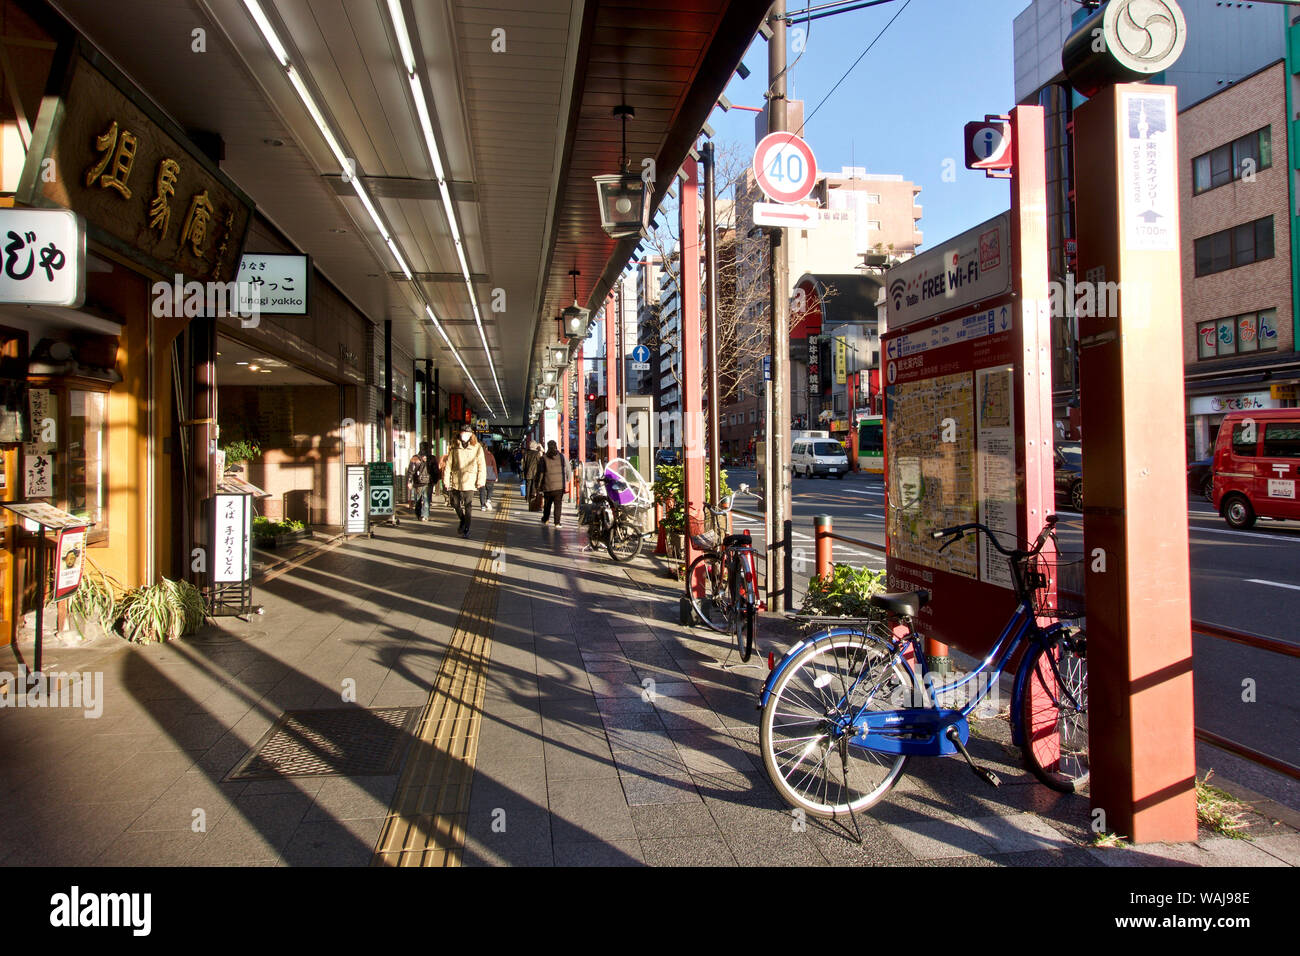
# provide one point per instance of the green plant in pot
(160, 612)
(845, 593)
(670, 494)
(95, 600)
(240, 451)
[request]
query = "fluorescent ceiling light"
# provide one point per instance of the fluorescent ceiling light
(392, 247)
(370, 208)
(268, 32)
(403, 38)
(426, 127)
(319, 118)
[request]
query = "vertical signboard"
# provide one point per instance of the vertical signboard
(814, 371)
(233, 539)
(381, 489)
(72, 552)
(356, 515)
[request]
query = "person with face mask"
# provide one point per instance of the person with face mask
(465, 473)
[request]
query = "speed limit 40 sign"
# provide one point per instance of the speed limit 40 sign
(784, 167)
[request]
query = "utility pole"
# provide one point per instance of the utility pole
(778, 441)
(711, 319)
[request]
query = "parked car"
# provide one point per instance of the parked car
(668, 456)
(1200, 478)
(819, 456)
(1069, 473)
(1256, 460)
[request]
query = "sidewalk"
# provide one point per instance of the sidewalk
(534, 740)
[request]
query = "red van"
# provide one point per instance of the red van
(1257, 466)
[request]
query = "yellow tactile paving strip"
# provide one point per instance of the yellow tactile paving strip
(426, 822)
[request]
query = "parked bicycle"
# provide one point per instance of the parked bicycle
(843, 710)
(610, 510)
(729, 602)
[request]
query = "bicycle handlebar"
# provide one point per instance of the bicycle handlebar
(729, 500)
(1049, 525)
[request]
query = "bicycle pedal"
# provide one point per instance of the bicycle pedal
(988, 776)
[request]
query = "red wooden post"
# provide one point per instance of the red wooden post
(692, 392)
(611, 381)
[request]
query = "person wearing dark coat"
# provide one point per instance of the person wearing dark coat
(554, 474)
(532, 459)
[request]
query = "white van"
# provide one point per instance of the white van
(819, 456)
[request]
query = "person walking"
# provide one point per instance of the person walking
(485, 492)
(532, 460)
(464, 474)
(419, 479)
(555, 473)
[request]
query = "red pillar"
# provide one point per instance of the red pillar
(582, 409)
(692, 393)
(611, 382)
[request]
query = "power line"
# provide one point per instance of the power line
(854, 65)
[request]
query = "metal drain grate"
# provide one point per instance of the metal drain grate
(348, 741)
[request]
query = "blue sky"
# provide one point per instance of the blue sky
(940, 65)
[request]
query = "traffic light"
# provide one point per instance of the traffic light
(591, 396)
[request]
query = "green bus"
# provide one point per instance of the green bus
(871, 444)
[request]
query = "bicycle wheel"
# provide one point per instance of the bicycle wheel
(624, 541)
(743, 603)
(1057, 751)
(807, 758)
(713, 609)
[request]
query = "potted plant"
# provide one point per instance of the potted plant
(273, 534)
(155, 613)
(670, 494)
(846, 592)
(239, 451)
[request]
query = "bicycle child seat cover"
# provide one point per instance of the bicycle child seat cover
(619, 491)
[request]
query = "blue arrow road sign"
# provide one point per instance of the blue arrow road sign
(640, 354)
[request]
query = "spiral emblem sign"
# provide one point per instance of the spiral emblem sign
(1144, 35)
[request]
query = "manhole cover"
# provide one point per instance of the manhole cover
(349, 741)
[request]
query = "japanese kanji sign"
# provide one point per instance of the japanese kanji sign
(102, 150)
(356, 509)
(42, 257)
(278, 284)
(232, 539)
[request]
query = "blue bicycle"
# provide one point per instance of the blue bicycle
(843, 710)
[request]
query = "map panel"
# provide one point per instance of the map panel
(935, 479)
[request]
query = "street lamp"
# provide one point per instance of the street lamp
(575, 320)
(623, 197)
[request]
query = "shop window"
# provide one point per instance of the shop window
(79, 456)
(86, 491)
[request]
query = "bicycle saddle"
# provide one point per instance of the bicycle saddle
(902, 603)
(736, 539)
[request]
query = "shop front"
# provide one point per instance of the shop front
(1206, 412)
(108, 395)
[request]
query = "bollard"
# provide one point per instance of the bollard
(823, 530)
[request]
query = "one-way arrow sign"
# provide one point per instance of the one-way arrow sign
(778, 214)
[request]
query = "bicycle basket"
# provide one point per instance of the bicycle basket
(1056, 581)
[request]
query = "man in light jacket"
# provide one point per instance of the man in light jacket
(465, 473)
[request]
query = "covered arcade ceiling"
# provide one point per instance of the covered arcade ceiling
(435, 157)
